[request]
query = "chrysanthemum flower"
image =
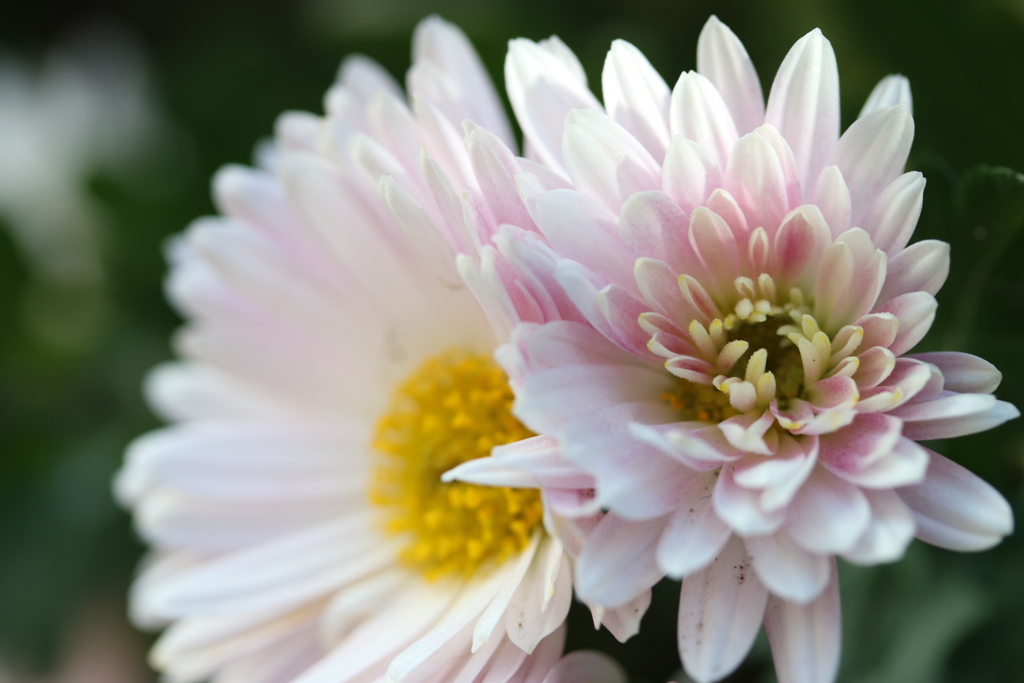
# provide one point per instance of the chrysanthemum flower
(741, 388)
(333, 368)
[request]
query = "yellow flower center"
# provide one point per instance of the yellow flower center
(453, 408)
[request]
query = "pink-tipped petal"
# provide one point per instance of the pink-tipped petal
(720, 612)
(951, 415)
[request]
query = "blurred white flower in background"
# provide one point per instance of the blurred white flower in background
(86, 106)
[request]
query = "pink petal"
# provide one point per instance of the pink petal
(800, 241)
(788, 570)
(806, 639)
(636, 97)
(634, 478)
(803, 104)
(698, 113)
(720, 612)
(624, 622)
(957, 510)
(581, 229)
(870, 437)
(618, 561)
(713, 241)
(654, 226)
(723, 59)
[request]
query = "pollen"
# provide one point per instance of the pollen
(699, 402)
(453, 408)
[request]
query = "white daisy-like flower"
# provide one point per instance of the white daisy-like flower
(333, 368)
(740, 388)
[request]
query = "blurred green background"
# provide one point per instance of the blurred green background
(210, 76)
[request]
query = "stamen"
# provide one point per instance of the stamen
(454, 408)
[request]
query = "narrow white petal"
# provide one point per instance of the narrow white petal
(803, 105)
(636, 96)
(723, 59)
(720, 612)
(806, 639)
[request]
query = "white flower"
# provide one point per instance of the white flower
(739, 386)
(333, 368)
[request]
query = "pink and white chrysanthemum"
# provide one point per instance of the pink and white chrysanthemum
(333, 368)
(740, 389)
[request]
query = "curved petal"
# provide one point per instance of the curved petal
(956, 509)
(723, 59)
(636, 96)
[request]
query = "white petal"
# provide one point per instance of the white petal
(604, 160)
(921, 267)
(636, 96)
(827, 515)
(618, 561)
(720, 612)
(723, 59)
(698, 113)
(788, 570)
(893, 216)
(956, 509)
(890, 532)
(872, 153)
(694, 534)
(962, 372)
(803, 105)
(542, 87)
(890, 91)
(689, 174)
(806, 639)
(443, 44)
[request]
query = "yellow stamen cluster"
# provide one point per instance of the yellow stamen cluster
(454, 408)
(701, 402)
